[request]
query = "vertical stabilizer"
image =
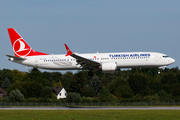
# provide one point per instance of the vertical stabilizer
(19, 45)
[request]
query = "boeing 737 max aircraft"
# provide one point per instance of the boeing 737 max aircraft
(107, 62)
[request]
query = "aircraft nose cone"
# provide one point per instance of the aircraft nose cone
(173, 60)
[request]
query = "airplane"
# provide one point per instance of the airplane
(106, 62)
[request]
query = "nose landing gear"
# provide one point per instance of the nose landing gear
(162, 67)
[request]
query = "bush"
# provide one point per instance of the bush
(127, 100)
(43, 100)
(113, 98)
(38, 99)
(73, 97)
(16, 95)
(150, 98)
(55, 101)
(1, 99)
(164, 96)
(177, 99)
(137, 98)
(62, 100)
(54, 97)
(6, 99)
(105, 96)
(31, 99)
(88, 99)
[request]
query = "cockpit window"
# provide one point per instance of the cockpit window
(165, 56)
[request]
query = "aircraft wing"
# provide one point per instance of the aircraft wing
(16, 58)
(84, 62)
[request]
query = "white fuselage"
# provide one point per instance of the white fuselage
(123, 60)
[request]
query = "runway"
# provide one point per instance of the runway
(90, 108)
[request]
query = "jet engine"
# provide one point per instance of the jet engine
(109, 67)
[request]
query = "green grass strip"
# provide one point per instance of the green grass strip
(90, 114)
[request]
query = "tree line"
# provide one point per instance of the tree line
(136, 84)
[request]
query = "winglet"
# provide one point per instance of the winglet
(68, 50)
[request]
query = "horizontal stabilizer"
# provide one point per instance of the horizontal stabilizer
(16, 58)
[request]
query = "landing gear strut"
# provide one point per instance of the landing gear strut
(159, 70)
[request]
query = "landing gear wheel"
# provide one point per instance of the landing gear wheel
(90, 73)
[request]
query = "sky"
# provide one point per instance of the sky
(91, 26)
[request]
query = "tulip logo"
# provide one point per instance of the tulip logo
(21, 48)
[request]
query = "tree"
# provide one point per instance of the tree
(178, 76)
(164, 96)
(176, 90)
(155, 84)
(150, 71)
(105, 96)
(66, 80)
(6, 73)
(169, 78)
(33, 89)
(105, 81)
(55, 76)
(20, 76)
(37, 76)
(29, 89)
(5, 85)
(108, 78)
(95, 83)
(59, 84)
(174, 70)
(120, 88)
(46, 92)
(138, 83)
(124, 74)
(87, 92)
(74, 83)
(16, 95)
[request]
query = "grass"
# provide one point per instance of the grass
(90, 114)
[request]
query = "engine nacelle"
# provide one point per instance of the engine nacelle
(109, 67)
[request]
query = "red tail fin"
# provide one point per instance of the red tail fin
(20, 47)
